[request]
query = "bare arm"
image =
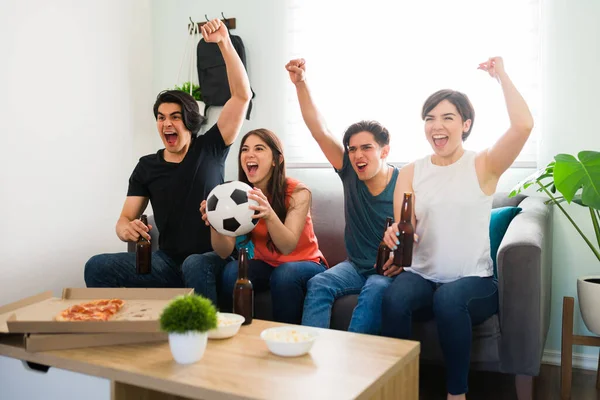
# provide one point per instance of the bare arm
(330, 145)
(221, 244)
(128, 227)
(285, 234)
(233, 113)
(499, 157)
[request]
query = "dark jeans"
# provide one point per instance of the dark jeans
(456, 306)
(198, 271)
(286, 281)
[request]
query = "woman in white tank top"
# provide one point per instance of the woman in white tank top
(451, 277)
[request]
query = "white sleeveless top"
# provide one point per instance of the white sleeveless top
(453, 221)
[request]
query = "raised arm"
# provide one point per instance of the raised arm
(499, 157)
(233, 113)
(285, 234)
(129, 227)
(221, 244)
(330, 145)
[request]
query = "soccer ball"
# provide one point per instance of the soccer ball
(227, 209)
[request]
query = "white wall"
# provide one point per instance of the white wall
(571, 57)
(75, 100)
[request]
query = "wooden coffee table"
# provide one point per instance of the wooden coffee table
(341, 365)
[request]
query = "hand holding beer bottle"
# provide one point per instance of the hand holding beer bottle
(384, 251)
(143, 252)
(400, 238)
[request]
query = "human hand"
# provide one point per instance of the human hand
(297, 70)
(493, 66)
(203, 212)
(389, 269)
(214, 31)
(131, 232)
(265, 211)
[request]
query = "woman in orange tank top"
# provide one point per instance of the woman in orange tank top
(283, 248)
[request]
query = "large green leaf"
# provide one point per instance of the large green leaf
(538, 175)
(571, 175)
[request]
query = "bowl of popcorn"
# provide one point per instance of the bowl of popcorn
(228, 325)
(289, 341)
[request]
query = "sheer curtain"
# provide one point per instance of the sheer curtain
(381, 59)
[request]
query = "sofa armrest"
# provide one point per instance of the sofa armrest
(524, 286)
(153, 236)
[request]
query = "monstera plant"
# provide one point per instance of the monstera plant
(576, 180)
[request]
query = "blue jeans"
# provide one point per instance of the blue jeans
(456, 306)
(286, 281)
(340, 280)
(198, 271)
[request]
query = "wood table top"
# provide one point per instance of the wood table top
(340, 365)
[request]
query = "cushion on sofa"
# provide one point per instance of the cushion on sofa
(499, 221)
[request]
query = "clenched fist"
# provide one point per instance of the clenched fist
(214, 31)
(297, 70)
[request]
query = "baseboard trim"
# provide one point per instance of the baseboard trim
(582, 361)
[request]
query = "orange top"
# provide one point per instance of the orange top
(307, 248)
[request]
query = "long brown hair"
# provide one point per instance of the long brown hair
(277, 185)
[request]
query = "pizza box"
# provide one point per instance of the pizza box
(140, 314)
(35, 342)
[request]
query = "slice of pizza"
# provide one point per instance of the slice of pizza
(97, 310)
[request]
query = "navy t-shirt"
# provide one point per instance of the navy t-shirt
(365, 216)
(176, 190)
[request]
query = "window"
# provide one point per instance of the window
(381, 59)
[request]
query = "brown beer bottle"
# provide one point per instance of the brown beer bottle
(143, 252)
(243, 293)
(383, 253)
(403, 254)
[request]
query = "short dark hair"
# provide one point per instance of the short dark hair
(381, 134)
(458, 99)
(190, 112)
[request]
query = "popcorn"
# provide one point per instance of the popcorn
(288, 336)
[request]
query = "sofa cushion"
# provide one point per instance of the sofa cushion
(499, 221)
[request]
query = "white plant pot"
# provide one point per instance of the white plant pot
(187, 348)
(588, 294)
(201, 106)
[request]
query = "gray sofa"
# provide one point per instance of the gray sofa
(510, 342)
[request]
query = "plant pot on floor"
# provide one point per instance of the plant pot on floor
(588, 293)
(187, 348)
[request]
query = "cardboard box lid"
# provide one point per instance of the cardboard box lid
(140, 314)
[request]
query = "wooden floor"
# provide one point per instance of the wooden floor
(494, 386)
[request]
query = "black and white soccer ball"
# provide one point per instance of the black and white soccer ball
(227, 209)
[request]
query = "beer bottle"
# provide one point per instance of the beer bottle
(403, 254)
(243, 293)
(383, 253)
(143, 252)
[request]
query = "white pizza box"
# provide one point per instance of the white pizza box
(140, 314)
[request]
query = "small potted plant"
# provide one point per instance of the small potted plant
(194, 90)
(187, 320)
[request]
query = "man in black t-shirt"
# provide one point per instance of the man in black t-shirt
(175, 180)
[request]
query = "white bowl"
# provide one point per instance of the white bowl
(228, 325)
(289, 341)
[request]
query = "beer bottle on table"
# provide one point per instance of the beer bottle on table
(383, 253)
(243, 293)
(143, 252)
(403, 254)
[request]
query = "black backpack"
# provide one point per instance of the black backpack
(212, 73)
